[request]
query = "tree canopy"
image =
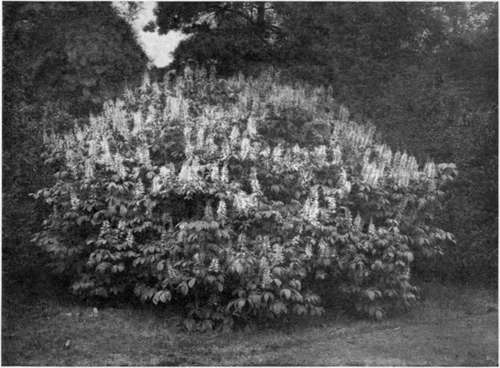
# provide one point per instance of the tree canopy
(81, 53)
(61, 60)
(424, 73)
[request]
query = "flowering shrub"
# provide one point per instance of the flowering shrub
(189, 192)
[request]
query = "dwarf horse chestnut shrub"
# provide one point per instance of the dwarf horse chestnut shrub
(190, 192)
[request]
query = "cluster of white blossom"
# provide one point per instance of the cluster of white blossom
(430, 172)
(221, 210)
(344, 113)
(224, 174)
(329, 195)
(130, 239)
(156, 184)
(278, 253)
(118, 165)
(252, 126)
(75, 201)
(189, 171)
(105, 158)
(344, 186)
(188, 146)
(138, 123)
(306, 175)
(384, 153)
(310, 210)
(266, 273)
(214, 266)
(105, 228)
(323, 248)
(208, 212)
(142, 154)
(404, 168)
(371, 227)
(358, 222)
(146, 81)
(320, 153)
(285, 96)
(200, 137)
(167, 172)
(176, 107)
(357, 135)
(308, 250)
(243, 202)
(89, 169)
(254, 181)
(72, 160)
(171, 271)
(139, 189)
(372, 173)
(234, 136)
(245, 148)
(277, 153)
(92, 149)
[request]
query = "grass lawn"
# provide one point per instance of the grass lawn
(451, 326)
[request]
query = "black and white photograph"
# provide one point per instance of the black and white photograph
(249, 183)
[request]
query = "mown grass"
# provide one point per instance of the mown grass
(451, 326)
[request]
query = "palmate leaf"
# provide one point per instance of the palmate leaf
(285, 293)
(371, 294)
(183, 288)
(162, 296)
(237, 267)
(278, 308)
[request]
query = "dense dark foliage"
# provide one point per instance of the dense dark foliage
(60, 61)
(234, 35)
(424, 73)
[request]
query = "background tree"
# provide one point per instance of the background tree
(235, 35)
(61, 61)
(424, 73)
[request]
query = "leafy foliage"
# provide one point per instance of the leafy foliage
(80, 53)
(61, 60)
(425, 74)
(234, 35)
(447, 107)
(188, 192)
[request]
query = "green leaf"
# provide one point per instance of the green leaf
(268, 296)
(165, 296)
(286, 293)
(183, 288)
(237, 267)
(81, 219)
(161, 266)
(278, 308)
(371, 294)
(255, 299)
(240, 304)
